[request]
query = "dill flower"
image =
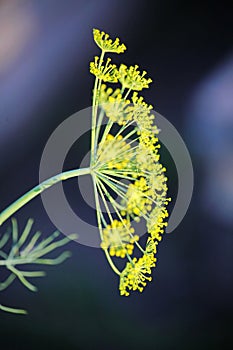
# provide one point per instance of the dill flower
(137, 200)
(106, 44)
(156, 222)
(151, 248)
(105, 72)
(157, 181)
(114, 152)
(131, 78)
(118, 236)
(129, 181)
(141, 113)
(135, 275)
(137, 272)
(116, 108)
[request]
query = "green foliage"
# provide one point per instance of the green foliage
(22, 249)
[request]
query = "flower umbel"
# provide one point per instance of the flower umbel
(136, 274)
(106, 72)
(106, 44)
(131, 78)
(119, 238)
(128, 179)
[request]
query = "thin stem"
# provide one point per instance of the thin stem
(98, 211)
(116, 174)
(94, 111)
(123, 184)
(113, 202)
(98, 127)
(35, 191)
(7, 282)
(127, 94)
(124, 127)
(25, 233)
(119, 189)
(118, 214)
(98, 182)
(110, 197)
(111, 262)
(119, 154)
(107, 129)
(12, 310)
(4, 240)
(21, 277)
(98, 208)
(23, 260)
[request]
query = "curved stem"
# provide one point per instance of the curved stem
(12, 310)
(35, 191)
(111, 262)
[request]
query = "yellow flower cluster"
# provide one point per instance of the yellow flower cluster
(106, 72)
(135, 275)
(146, 159)
(132, 78)
(118, 238)
(115, 107)
(141, 113)
(126, 165)
(156, 222)
(114, 152)
(106, 44)
(151, 249)
(157, 181)
(137, 200)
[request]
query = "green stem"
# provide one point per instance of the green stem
(98, 128)
(94, 110)
(27, 197)
(111, 262)
(98, 211)
(114, 204)
(12, 310)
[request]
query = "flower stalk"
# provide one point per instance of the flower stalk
(35, 191)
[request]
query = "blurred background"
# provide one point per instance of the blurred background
(186, 47)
